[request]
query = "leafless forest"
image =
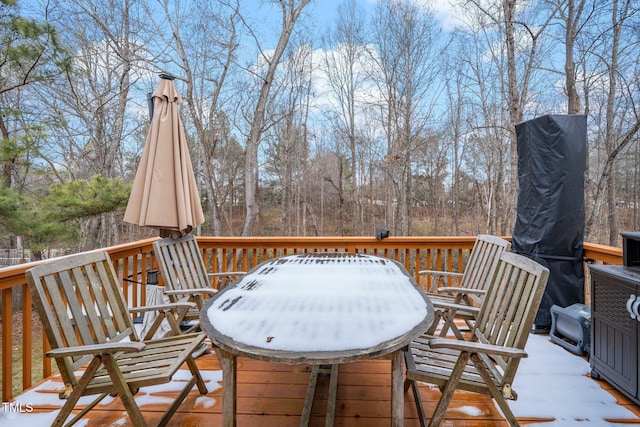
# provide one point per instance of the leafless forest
(386, 116)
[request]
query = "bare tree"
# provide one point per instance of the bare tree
(521, 56)
(405, 39)
(618, 101)
(393, 152)
(570, 12)
(287, 150)
(90, 105)
(478, 59)
(343, 64)
(456, 101)
(290, 12)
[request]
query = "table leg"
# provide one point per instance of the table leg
(397, 390)
(229, 371)
(332, 370)
(308, 401)
(331, 400)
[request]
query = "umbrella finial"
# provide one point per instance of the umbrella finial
(167, 76)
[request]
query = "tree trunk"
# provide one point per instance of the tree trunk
(251, 176)
(571, 23)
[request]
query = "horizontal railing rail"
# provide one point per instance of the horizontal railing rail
(24, 363)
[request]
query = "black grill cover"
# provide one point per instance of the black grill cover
(550, 220)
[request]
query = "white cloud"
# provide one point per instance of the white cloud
(445, 12)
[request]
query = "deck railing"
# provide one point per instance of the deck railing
(24, 363)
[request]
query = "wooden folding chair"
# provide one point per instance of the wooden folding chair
(93, 340)
(185, 276)
(486, 363)
(472, 286)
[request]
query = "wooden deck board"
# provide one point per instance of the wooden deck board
(272, 395)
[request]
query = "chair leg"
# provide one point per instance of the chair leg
(174, 323)
(437, 316)
(449, 318)
(84, 410)
(409, 363)
(176, 402)
(445, 325)
(154, 326)
(422, 416)
(411, 366)
(495, 392)
(75, 395)
(123, 390)
(180, 316)
(202, 388)
(449, 389)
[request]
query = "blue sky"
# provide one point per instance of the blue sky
(320, 15)
(323, 15)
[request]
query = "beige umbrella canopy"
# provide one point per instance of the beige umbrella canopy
(164, 193)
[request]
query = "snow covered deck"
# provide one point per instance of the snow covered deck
(553, 386)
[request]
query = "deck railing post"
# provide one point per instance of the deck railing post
(27, 344)
(7, 355)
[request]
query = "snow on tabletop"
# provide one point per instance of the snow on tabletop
(304, 303)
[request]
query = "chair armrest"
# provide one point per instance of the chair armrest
(439, 273)
(201, 291)
(458, 290)
(476, 347)
(163, 307)
(110, 347)
(227, 274)
(444, 305)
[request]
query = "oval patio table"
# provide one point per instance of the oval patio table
(317, 309)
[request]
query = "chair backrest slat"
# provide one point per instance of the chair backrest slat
(194, 257)
(185, 265)
(483, 262)
(510, 307)
(80, 303)
(54, 303)
(81, 299)
(172, 263)
(113, 307)
(181, 264)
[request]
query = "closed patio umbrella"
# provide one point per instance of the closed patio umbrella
(164, 193)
